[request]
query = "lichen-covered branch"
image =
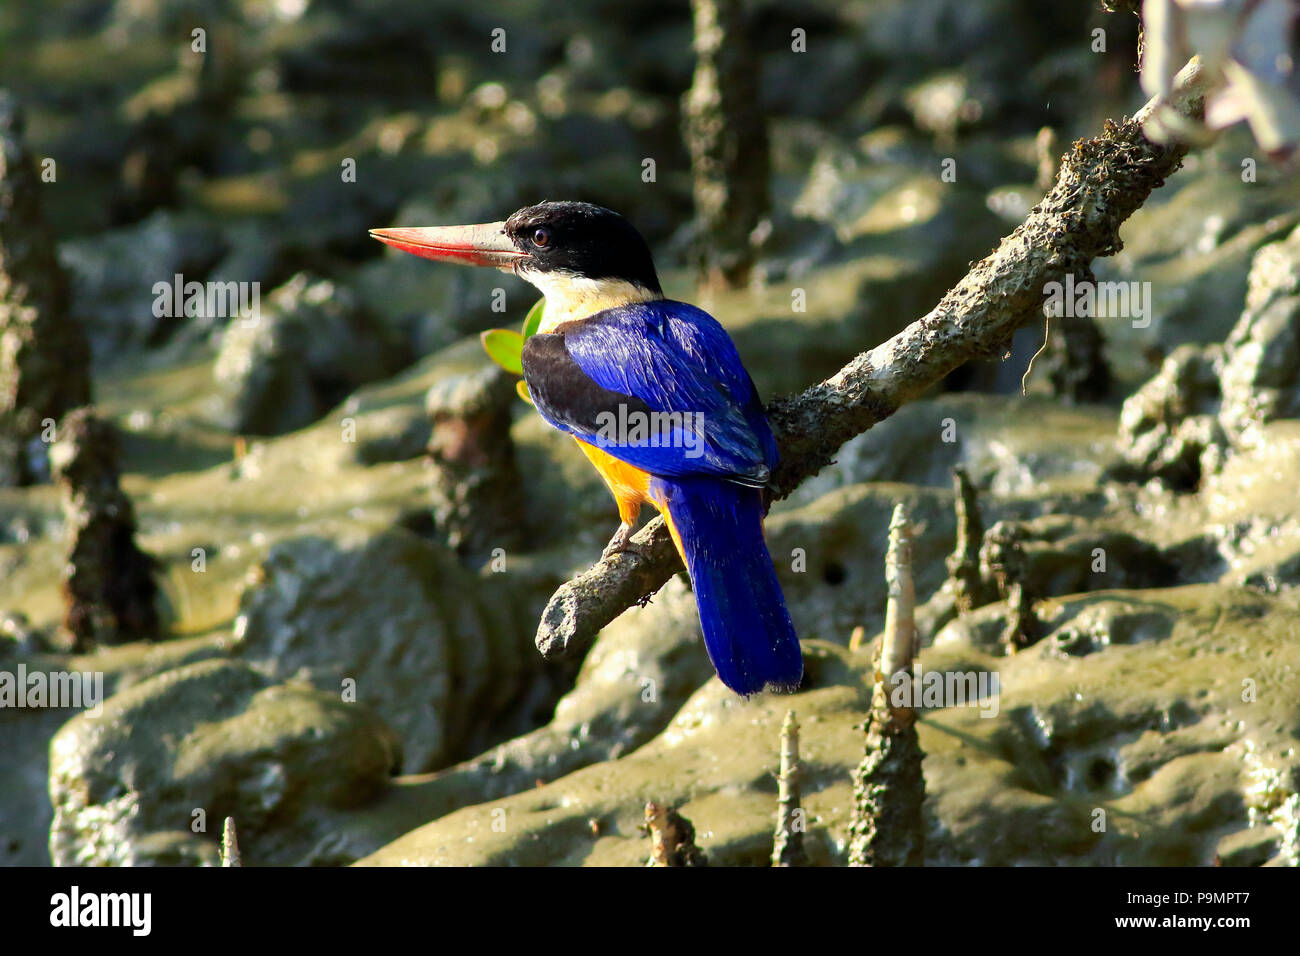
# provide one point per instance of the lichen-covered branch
(1102, 181)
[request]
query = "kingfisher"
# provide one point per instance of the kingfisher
(655, 395)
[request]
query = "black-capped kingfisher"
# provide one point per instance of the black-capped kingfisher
(656, 396)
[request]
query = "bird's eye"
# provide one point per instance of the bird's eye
(541, 237)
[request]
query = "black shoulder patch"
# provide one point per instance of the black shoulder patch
(563, 392)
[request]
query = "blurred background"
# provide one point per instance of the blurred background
(229, 162)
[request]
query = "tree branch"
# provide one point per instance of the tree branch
(1102, 181)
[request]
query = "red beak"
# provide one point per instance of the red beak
(482, 245)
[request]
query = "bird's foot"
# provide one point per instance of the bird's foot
(621, 542)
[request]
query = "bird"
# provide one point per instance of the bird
(655, 394)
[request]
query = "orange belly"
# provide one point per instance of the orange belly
(630, 487)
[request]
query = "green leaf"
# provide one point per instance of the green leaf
(522, 388)
(534, 317)
(504, 347)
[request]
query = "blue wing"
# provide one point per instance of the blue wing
(659, 357)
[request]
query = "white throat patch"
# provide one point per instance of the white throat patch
(571, 297)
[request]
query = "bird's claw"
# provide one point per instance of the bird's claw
(621, 543)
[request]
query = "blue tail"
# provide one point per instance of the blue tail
(746, 626)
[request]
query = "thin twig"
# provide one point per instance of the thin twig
(887, 826)
(229, 844)
(787, 848)
(899, 645)
(672, 838)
